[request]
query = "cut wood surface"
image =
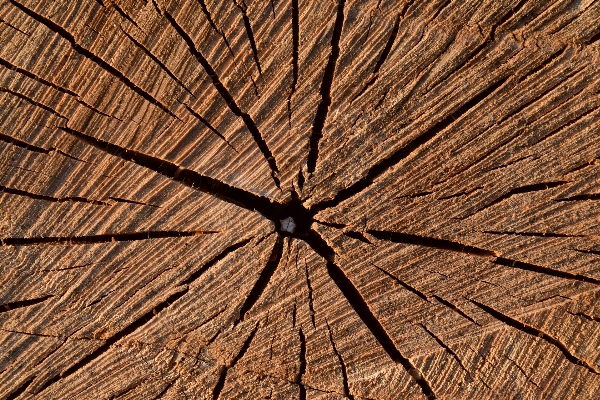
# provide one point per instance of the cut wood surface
(299, 199)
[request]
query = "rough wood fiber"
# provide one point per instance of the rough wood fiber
(438, 160)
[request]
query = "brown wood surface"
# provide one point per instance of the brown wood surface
(299, 199)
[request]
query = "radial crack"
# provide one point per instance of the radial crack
(541, 66)
(207, 320)
(341, 362)
(14, 27)
(402, 153)
(35, 334)
(593, 39)
(403, 284)
(462, 193)
(325, 91)
(109, 237)
(302, 369)
(262, 145)
(581, 197)
(360, 306)
(445, 346)
(68, 268)
(523, 189)
(223, 376)
(384, 55)
(29, 100)
(357, 236)
(141, 321)
(156, 7)
(455, 308)
(20, 390)
(123, 14)
(157, 61)
(405, 238)
(588, 251)
(213, 25)
(188, 177)
(263, 280)
(533, 234)
(146, 318)
(31, 75)
(545, 270)
(230, 249)
(443, 244)
(121, 200)
(249, 33)
(536, 333)
(362, 309)
(106, 66)
(334, 225)
(295, 46)
(97, 111)
(310, 296)
(22, 303)
(48, 356)
(18, 192)
(209, 126)
(507, 16)
(588, 317)
(21, 144)
(439, 10)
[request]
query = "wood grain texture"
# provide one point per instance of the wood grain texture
(435, 163)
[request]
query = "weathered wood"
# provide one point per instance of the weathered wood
(341, 199)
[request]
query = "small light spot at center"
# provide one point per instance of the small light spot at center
(288, 225)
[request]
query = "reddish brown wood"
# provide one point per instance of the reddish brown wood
(338, 199)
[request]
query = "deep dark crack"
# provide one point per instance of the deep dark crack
(277, 213)
(231, 103)
(291, 218)
(326, 84)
